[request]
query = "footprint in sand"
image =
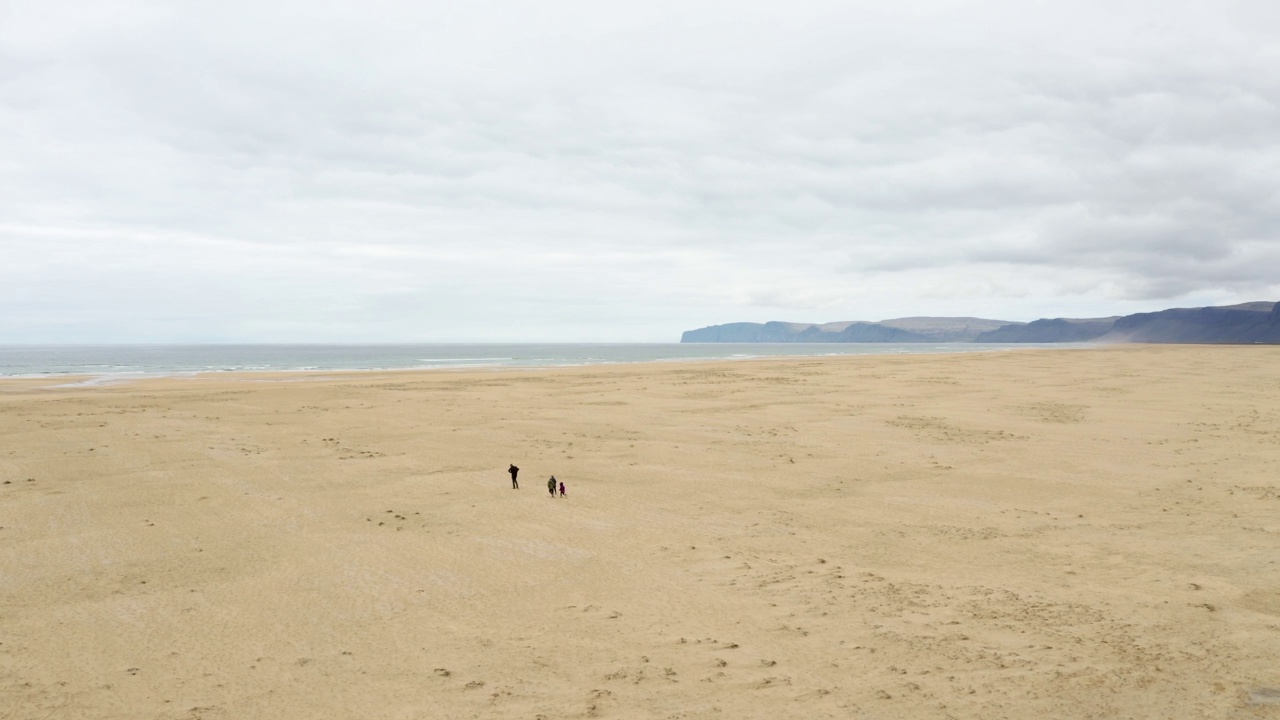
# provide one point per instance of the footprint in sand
(1264, 696)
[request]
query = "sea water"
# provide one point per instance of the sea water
(118, 362)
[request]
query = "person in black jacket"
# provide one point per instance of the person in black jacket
(513, 470)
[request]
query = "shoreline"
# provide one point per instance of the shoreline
(89, 379)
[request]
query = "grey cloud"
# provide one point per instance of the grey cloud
(709, 162)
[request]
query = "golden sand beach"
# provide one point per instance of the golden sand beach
(1031, 534)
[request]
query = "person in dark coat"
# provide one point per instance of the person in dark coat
(551, 486)
(513, 470)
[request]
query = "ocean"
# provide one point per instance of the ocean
(99, 363)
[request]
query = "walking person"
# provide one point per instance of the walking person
(513, 470)
(562, 489)
(551, 486)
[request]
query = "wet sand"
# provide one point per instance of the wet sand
(1066, 533)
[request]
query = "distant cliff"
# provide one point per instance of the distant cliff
(1050, 331)
(1248, 323)
(1255, 322)
(899, 330)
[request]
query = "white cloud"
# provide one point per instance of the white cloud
(578, 171)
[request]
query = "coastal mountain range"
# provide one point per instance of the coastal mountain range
(1252, 322)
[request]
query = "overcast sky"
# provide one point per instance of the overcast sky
(591, 171)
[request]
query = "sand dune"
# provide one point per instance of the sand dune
(1067, 534)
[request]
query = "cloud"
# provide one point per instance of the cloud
(570, 170)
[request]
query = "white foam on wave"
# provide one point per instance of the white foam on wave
(465, 360)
